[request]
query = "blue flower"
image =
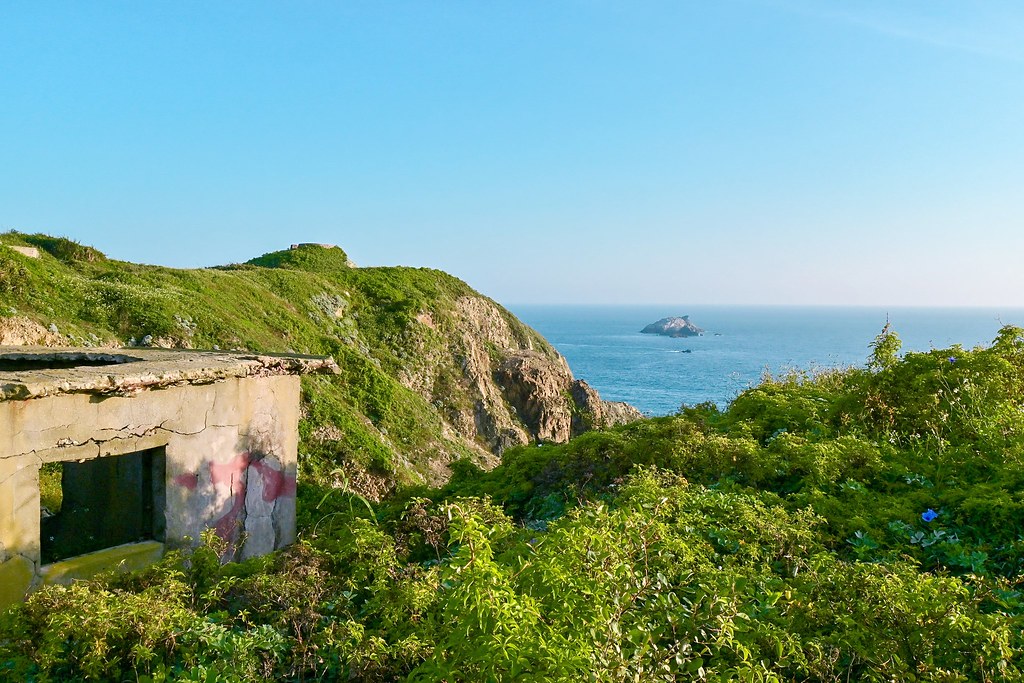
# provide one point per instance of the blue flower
(952, 359)
(929, 514)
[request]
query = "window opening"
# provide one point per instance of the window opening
(101, 503)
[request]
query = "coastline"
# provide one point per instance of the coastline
(603, 346)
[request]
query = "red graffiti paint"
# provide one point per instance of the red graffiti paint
(188, 480)
(231, 475)
(227, 526)
(227, 473)
(275, 482)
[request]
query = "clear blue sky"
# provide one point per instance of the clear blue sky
(726, 151)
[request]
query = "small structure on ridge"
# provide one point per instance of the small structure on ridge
(108, 455)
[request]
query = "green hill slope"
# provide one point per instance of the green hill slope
(421, 353)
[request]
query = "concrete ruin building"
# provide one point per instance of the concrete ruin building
(108, 456)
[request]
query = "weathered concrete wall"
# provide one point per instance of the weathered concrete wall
(230, 462)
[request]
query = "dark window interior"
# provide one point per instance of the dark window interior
(103, 502)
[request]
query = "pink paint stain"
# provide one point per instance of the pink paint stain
(275, 482)
(226, 473)
(188, 480)
(230, 474)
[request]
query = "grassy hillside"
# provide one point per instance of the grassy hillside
(862, 525)
(396, 333)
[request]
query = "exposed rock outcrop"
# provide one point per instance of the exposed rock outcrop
(537, 387)
(483, 332)
(620, 413)
(674, 327)
(592, 412)
(20, 331)
(510, 387)
(551, 403)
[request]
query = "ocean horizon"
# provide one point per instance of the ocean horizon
(658, 375)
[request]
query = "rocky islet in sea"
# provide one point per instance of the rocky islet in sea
(674, 326)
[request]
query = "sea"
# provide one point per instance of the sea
(658, 375)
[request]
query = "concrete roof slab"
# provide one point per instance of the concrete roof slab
(35, 372)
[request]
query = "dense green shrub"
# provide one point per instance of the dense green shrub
(668, 580)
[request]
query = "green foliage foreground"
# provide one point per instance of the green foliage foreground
(853, 525)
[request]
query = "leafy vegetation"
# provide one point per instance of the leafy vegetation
(860, 524)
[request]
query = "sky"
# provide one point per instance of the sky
(782, 152)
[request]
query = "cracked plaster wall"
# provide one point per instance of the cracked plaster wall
(230, 446)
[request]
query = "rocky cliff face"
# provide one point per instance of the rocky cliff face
(552, 404)
(512, 387)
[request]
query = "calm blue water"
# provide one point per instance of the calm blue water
(604, 346)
